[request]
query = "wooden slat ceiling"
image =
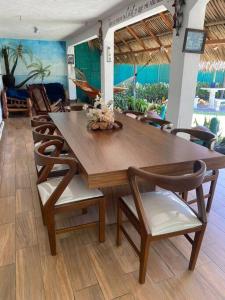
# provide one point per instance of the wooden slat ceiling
(150, 40)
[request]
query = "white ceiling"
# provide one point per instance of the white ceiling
(55, 19)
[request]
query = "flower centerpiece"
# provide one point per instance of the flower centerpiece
(101, 116)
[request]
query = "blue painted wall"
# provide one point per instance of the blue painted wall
(51, 53)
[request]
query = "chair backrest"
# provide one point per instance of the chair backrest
(207, 138)
(46, 132)
(40, 120)
(164, 124)
(39, 98)
(47, 162)
(178, 184)
(133, 114)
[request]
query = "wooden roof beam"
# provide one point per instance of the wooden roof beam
(166, 20)
(134, 34)
(127, 45)
(143, 50)
(151, 33)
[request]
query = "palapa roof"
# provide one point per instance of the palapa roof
(149, 41)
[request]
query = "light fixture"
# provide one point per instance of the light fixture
(35, 29)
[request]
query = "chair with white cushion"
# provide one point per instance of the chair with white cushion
(206, 138)
(161, 214)
(60, 194)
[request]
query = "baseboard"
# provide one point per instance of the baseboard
(1, 129)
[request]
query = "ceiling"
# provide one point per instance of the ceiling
(55, 19)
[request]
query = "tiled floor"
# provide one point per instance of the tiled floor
(83, 268)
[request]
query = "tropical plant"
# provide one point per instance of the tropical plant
(38, 71)
(12, 53)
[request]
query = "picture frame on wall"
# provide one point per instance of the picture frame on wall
(70, 59)
(194, 41)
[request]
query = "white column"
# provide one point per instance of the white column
(107, 65)
(72, 93)
(184, 68)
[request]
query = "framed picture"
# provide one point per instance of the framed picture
(70, 59)
(194, 41)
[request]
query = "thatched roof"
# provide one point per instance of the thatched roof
(150, 40)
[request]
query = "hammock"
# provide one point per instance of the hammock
(91, 91)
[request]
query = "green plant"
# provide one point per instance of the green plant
(38, 71)
(12, 53)
(214, 125)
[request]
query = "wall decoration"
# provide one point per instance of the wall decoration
(100, 37)
(194, 41)
(32, 61)
(70, 59)
(178, 15)
(132, 11)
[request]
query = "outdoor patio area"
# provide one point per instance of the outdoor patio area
(83, 268)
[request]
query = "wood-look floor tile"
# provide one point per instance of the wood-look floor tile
(36, 203)
(56, 280)
(171, 256)
(125, 254)
(90, 293)
(7, 186)
(216, 252)
(147, 291)
(29, 282)
(78, 264)
(157, 268)
(22, 180)
(7, 244)
(24, 201)
(183, 245)
(7, 210)
(108, 271)
(26, 235)
(188, 285)
(8, 282)
(214, 276)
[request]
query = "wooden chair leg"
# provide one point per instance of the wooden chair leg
(196, 248)
(119, 223)
(145, 243)
(185, 196)
(102, 220)
(211, 193)
(51, 233)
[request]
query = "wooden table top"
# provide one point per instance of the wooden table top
(105, 155)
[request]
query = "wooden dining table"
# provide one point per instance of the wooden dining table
(105, 156)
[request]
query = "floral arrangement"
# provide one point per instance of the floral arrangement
(101, 116)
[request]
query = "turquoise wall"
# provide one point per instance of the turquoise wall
(88, 61)
(50, 53)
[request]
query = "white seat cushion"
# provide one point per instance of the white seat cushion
(56, 168)
(75, 191)
(49, 149)
(165, 212)
(209, 173)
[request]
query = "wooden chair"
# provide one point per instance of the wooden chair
(163, 124)
(163, 214)
(40, 120)
(207, 139)
(47, 132)
(133, 114)
(41, 103)
(11, 104)
(60, 194)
